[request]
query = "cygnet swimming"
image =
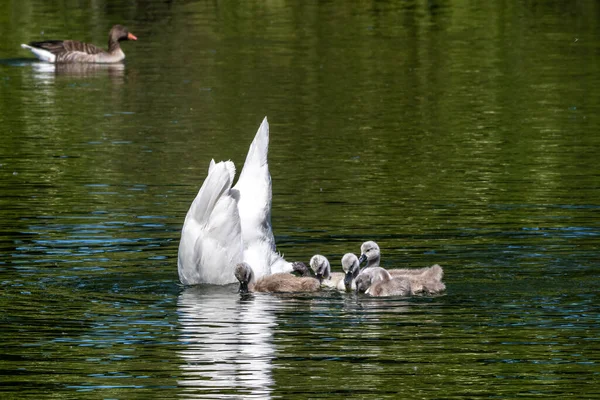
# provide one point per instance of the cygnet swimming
(322, 269)
(275, 283)
(351, 268)
(423, 280)
(376, 281)
(300, 269)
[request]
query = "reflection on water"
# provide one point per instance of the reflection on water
(458, 133)
(227, 341)
(46, 72)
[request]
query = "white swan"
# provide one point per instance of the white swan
(226, 225)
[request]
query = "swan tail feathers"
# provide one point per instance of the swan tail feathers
(215, 185)
(258, 151)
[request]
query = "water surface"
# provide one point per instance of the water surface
(457, 133)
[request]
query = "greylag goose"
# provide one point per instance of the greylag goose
(226, 225)
(275, 283)
(423, 280)
(322, 269)
(376, 281)
(72, 51)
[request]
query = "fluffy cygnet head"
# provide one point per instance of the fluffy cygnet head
(369, 251)
(351, 268)
(245, 275)
(300, 269)
(321, 267)
(363, 282)
(371, 276)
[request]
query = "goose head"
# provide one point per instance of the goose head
(320, 266)
(351, 267)
(119, 33)
(245, 275)
(369, 252)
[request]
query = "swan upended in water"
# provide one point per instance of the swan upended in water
(226, 225)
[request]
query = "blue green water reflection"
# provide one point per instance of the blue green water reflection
(458, 133)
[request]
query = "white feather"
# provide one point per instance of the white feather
(43, 55)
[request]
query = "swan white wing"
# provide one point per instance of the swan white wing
(211, 241)
(254, 186)
(278, 264)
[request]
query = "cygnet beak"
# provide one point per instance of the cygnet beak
(348, 281)
(362, 259)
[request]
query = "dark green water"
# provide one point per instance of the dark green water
(460, 133)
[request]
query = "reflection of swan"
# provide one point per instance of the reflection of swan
(228, 342)
(72, 51)
(225, 226)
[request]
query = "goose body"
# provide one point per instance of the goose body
(423, 280)
(226, 225)
(72, 51)
(378, 282)
(275, 283)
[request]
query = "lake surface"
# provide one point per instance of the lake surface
(460, 133)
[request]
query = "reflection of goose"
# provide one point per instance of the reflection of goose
(322, 269)
(46, 71)
(275, 283)
(226, 225)
(423, 280)
(72, 51)
(376, 281)
(227, 343)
